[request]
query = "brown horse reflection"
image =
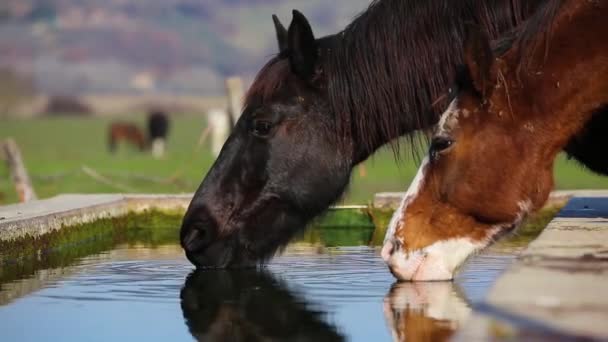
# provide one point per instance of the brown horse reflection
(249, 305)
(425, 311)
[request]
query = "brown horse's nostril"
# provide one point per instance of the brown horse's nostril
(387, 251)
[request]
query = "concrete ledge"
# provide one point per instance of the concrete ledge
(139, 203)
(391, 200)
(558, 286)
(44, 216)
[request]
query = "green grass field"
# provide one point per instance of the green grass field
(56, 149)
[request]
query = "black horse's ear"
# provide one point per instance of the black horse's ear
(302, 46)
(480, 60)
(281, 33)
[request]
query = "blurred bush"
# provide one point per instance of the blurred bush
(67, 105)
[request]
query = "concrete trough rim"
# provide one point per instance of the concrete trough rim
(555, 289)
(85, 208)
(43, 216)
(40, 217)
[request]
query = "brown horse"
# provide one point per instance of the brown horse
(127, 132)
(492, 154)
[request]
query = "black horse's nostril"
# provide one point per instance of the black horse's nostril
(193, 240)
(197, 238)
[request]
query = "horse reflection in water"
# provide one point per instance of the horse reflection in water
(253, 305)
(249, 306)
(425, 311)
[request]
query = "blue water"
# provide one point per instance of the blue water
(144, 294)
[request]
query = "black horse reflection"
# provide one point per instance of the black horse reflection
(249, 305)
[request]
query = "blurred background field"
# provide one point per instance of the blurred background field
(173, 47)
(57, 149)
(111, 59)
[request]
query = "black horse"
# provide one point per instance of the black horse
(158, 129)
(250, 306)
(321, 107)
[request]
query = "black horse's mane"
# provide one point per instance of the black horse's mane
(532, 35)
(389, 71)
(399, 82)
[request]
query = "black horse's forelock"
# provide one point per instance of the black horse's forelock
(389, 71)
(272, 77)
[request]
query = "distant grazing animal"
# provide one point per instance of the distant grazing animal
(493, 152)
(320, 108)
(158, 129)
(127, 132)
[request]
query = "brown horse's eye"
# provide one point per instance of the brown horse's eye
(438, 145)
(261, 128)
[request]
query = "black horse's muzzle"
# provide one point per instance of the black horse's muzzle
(200, 240)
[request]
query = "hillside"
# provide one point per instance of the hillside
(169, 46)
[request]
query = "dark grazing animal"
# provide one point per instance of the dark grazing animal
(158, 129)
(321, 107)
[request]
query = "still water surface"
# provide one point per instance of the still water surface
(135, 292)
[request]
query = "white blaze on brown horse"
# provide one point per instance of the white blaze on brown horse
(492, 155)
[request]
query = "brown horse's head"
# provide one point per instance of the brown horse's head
(492, 154)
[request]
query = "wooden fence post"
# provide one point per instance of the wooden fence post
(23, 185)
(236, 94)
(219, 123)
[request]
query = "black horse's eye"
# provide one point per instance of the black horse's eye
(261, 128)
(438, 145)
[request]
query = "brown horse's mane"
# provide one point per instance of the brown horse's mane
(389, 70)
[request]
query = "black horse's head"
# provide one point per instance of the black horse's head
(283, 164)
